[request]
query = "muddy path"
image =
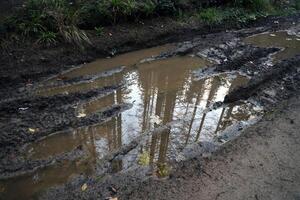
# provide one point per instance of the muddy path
(25, 64)
(137, 117)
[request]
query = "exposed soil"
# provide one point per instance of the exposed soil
(41, 97)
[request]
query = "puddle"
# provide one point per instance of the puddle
(290, 43)
(102, 65)
(29, 187)
(162, 92)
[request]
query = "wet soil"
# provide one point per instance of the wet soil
(146, 117)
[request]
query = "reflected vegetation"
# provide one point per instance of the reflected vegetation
(290, 43)
(161, 92)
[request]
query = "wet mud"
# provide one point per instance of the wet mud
(141, 114)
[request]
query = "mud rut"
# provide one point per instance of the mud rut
(143, 112)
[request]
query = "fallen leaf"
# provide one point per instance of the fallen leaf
(272, 35)
(22, 109)
(84, 187)
(288, 39)
(112, 198)
(80, 115)
(31, 130)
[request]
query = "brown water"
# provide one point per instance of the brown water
(161, 92)
(290, 43)
(129, 60)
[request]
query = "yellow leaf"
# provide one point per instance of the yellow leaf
(80, 115)
(31, 130)
(84, 187)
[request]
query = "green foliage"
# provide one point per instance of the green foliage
(38, 18)
(297, 4)
(47, 38)
(48, 19)
(254, 5)
(99, 31)
(148, 8)
(210, 16)
(166, 7)
(231, 15)
(129, 8)
(114, 10)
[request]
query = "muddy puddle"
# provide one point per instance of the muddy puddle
(290, 44)
(162, 92)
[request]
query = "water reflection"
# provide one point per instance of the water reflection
(290, 43)
(159, 97)
(161, 92)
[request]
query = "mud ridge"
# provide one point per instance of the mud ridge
(286, 68)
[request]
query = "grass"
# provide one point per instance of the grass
(47, 39)
(238, 15)
(52, 21)
(211, 16)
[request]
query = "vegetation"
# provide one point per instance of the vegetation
(99, 31)
(52, 21)
(240, 16)
(47, 38)
(211, 15)
(243, 11)
(297, 5)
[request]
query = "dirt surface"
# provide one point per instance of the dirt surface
(209, 170)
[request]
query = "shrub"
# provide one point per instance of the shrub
(129, 8)
(148, 8)
(40, 18)
(166, 7)
(210, 16)
(254, 5)
(47, 38)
